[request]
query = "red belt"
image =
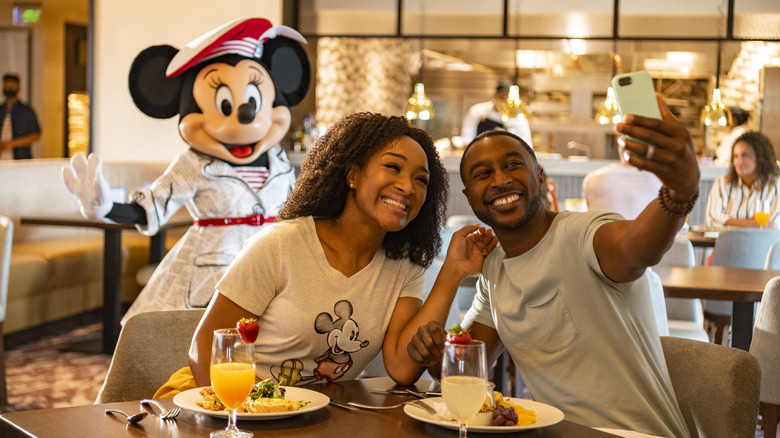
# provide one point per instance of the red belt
(255, 219)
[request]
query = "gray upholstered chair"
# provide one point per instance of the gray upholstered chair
(151, 346)
(766, 348)
(685, 315)
(737, 248)
(6, 239)
(716, 387)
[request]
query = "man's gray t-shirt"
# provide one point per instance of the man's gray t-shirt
(582, 342)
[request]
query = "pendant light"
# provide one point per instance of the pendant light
(419, 106)
(716, 113)
(514, 107)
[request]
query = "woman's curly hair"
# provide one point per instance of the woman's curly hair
(766, 163)
(321, 188)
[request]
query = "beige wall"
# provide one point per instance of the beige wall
(122, 30)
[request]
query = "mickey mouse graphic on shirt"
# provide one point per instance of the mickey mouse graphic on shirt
(342, 338)
(232, 88)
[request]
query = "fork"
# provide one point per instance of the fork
(417, 403)
(164, 415)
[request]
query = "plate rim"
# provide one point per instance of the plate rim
(178, 399)
(449, 424)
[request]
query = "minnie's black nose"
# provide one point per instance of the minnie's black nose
(246, 113)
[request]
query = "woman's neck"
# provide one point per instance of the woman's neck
(748, 180)
(349, 244)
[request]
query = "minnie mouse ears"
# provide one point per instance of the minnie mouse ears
(244, 36)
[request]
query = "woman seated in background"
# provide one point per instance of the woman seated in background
(341, 275)
(752, 176)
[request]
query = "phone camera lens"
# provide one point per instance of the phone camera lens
(624, 81)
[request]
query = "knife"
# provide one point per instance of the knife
(343, 406)
(421, 394)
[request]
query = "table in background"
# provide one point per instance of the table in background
(741, 286)
(112, 263)
(700, 240)
(331, 421)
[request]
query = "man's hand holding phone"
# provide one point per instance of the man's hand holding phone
(663, 147)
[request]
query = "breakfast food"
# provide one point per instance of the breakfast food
(266, 397)
(506, 413)
(248, 329)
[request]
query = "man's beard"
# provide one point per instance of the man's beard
(534, 206)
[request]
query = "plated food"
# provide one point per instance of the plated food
(268, 401)
(545, 415)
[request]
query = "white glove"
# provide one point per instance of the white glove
(85, 180)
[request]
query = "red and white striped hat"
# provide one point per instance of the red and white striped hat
(243, 36)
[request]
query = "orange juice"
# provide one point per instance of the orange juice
(762, 218)
(232, 382)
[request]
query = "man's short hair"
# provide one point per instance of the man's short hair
(503, 87)
(492, 133)
(11, 77)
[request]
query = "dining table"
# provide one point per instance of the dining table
(329, 421)
(112, 264)
(743, 287)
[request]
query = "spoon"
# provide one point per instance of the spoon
(132, 419)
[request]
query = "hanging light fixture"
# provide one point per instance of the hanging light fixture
(608, 112)
(419, 106)
(514, 107)
(716, 113)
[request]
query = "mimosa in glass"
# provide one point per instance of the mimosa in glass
(464, 380)
(232, 376)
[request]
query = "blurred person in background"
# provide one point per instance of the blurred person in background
(752, 175)
(485, 116)
(19, 123)
(620, 188)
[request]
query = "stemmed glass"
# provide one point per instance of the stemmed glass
(761, 214)
(232, 376)
(464, 380)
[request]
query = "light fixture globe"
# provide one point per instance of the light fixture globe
(608, 112)
(716, 113)
(514, 107)
(419, 106)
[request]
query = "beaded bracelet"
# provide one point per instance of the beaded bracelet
(674, 208)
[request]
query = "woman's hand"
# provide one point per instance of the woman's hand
(469, 247)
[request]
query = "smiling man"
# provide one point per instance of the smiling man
(566, 293)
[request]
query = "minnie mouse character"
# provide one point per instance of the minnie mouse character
(232, 88)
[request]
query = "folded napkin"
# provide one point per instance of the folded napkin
(180, 381)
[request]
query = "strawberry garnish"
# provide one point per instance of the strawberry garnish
(458, 335)
(248, 329)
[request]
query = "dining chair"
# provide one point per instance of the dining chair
(685, 315)
(716, 387)
(766, 348)
(6, 240)
(151, 346)
(736, 248)
(773, 258)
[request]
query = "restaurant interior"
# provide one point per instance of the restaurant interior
(73, 58)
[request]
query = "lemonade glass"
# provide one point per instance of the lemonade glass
(464, 380)
(232, 376)
(761, 214)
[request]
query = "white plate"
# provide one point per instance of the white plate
(546, 415)
(189, 398)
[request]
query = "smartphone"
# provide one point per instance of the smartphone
(635, 94)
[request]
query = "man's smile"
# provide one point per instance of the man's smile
(505, 200)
